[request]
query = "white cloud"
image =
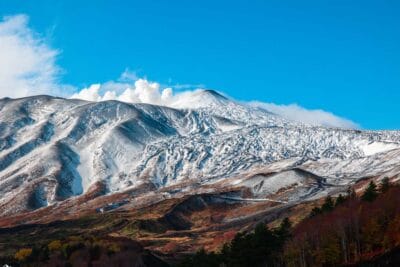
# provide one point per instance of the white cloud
(90, 93)
(28, 67)
(27, 63)
(139, 91)
(144, 91)
(314, 116)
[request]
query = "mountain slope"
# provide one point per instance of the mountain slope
(53, 149)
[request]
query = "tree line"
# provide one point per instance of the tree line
(262, 247)
(344, 230)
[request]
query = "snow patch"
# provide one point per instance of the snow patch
(377, 147)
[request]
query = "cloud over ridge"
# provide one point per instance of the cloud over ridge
(28, 67)
(316, 117)
(144, 91)
(138, 91)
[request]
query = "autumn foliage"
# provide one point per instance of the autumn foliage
(23, 254)
(356, 230)
(346, 230)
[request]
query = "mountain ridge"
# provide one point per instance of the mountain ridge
(52, 149)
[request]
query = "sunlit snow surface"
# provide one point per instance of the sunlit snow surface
(61, 147)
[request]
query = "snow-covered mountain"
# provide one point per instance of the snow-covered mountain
(52, 149)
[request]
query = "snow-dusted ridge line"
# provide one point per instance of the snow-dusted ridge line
(55, 148)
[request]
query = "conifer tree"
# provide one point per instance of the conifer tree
(339, 200)
(385, 184)
(370, 192)
(283, 232)
(328, 205)
(315, 211)
(351, 194)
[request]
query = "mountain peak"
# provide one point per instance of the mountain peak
(213, 93)
(201, 99)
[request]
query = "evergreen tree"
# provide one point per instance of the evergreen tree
(385, 184)
(283, 232)
(328, 205)
(339, 200)
(351, 194)
(262, 247)
(370, 192)
(226, 250)
(264, 243)
(315, 211)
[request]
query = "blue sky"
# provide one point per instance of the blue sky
(341, 56)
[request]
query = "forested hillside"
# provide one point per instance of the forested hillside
(346, 230)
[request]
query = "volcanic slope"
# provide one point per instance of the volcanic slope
(54, 149)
